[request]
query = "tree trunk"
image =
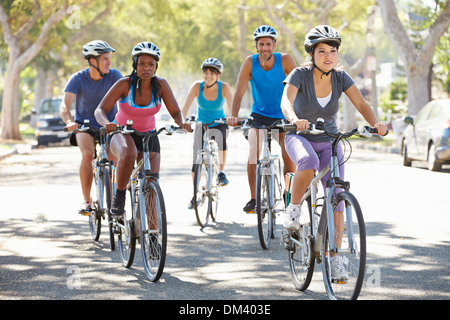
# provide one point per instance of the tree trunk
(10, 110)
(417, 62)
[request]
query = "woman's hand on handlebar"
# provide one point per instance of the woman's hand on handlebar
(233, 121)
(301, 124)
(110, 127)
(186, 126)
(381, 128)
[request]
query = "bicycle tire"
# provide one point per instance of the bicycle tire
(202, 200)
(214, 190)
(107, 210)
(353, 262)
(301, 256)
(263, 208)
(153, 235)
(95, 217)
(126, 240)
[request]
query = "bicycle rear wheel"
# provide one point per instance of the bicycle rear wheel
(264, 208)
(301, 256)
(350, 239)
(153, 235)
(202, 200)
(127, 235)
(95, 216)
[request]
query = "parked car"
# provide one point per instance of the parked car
(48, 123)
(427, 136)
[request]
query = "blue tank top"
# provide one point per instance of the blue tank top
(208, 110)
(267, 88)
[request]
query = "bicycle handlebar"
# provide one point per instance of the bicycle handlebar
(128, 129)
(219, 121)
(319, 128)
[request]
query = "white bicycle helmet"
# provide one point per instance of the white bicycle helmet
(146, 48)
(265, 31)
(96, 48)
(213, 63)
(319, 34)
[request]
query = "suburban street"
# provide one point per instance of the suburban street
(46, 251)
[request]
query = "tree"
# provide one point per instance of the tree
(18, 29)
(417, 61)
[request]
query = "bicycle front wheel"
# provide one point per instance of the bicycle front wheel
(263, 208)
(127, 234)
(202, 200)
(153, 230)
(343, 272)
(107, 205)
(214, 189)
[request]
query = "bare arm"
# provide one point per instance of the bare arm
(365, 109)
(227, 93)
(193, 92)
(245, 74)
(64, 110)
(118, 91)
(288, 63)
(287, 106)
(172, 105)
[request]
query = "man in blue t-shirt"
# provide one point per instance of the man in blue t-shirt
(266, 72)
(87, 88)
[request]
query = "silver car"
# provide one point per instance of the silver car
(427, 136)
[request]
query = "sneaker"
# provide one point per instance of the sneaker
(86, 210)
(250, 206)
(118, 207)
(292, 216)
(223, 181)
(191, 204)
(338, 272)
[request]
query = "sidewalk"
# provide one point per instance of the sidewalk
(9, 148)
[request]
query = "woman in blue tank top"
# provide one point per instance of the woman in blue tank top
(211, 96)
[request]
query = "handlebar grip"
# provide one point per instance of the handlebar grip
(289, 127)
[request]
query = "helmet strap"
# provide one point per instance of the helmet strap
(207, 87)
(264, 61)
(95, 67)
(323, 72)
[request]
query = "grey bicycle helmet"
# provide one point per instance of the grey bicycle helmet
(213, 63)
(96, 48)
(265, 31)
(319, 34)
(146, 48)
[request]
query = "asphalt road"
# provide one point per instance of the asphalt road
(46, 251)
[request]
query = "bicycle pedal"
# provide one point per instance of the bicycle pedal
(84, 213)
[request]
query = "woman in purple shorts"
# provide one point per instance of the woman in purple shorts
(311, 92)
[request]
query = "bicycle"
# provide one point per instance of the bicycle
(102, 169)
(329, 233)
(269, 189)
(206, 182)
(147, 221)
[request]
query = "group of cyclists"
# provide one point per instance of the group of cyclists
(280, 90)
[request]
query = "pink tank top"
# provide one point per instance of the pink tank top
(143, 116)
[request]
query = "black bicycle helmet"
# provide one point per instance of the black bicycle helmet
(320, 34)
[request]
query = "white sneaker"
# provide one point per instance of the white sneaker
(293, 213)
(337, 269)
